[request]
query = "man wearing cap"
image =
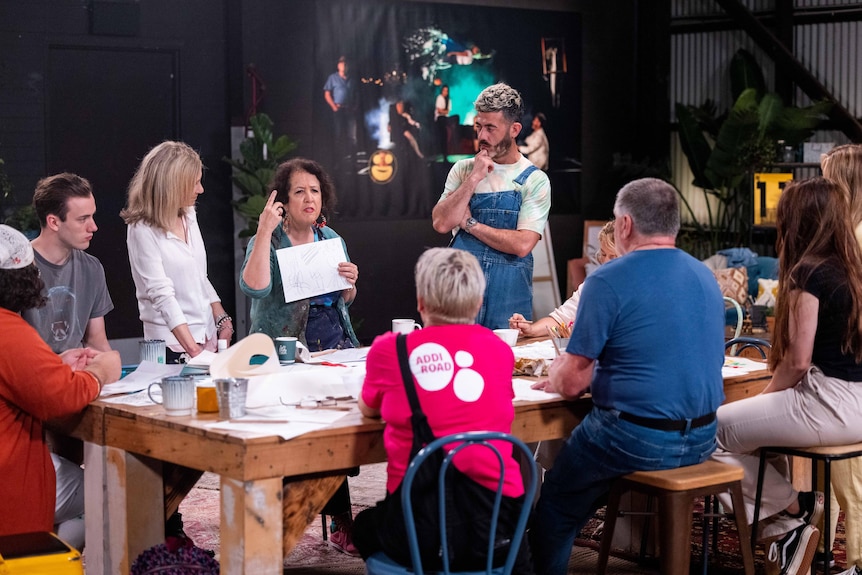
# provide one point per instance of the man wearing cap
(497, 204)
(36, 385)
(75, 289)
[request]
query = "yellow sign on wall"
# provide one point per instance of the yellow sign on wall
(767, 190)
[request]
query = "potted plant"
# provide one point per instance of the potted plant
(20, 217)
(724, 151)
(261, 153)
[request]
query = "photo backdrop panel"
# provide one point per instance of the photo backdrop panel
(405, 52)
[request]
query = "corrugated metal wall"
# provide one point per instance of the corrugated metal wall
(700, 62)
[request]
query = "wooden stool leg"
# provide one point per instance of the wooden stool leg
(611, 513)
(675, 519)
(761, 470)
(742, 528)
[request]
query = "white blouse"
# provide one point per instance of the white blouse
(171, 282)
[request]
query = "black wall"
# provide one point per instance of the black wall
(209, 44)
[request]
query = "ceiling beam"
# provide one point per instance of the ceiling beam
(784, 60)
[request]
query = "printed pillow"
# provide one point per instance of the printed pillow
(733, 283)
(767, 290)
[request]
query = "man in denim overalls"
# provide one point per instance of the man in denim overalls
(497, 204)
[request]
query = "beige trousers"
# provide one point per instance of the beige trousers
(847, 493)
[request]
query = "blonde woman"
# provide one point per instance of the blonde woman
(565, 314)
(176, 301)
(843, 165)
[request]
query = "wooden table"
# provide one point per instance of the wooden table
(261, 520)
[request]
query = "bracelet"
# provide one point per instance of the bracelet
(98, 382)
(220, 320)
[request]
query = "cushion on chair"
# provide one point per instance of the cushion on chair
(733, 283)
(767, 290)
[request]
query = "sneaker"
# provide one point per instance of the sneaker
(818, 558)
(342, 541)
(792, 554)
(811, 504)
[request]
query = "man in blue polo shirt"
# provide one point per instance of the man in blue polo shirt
(648, 342)
(339, 94)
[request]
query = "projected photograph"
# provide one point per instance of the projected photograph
(406, 76)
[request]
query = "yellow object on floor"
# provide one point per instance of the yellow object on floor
(39, 553)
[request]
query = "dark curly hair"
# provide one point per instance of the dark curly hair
(281, 182)
(21, 289)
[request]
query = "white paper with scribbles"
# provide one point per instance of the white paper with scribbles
(311, 269)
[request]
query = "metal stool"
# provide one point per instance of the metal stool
(827, 455)
(676, 490)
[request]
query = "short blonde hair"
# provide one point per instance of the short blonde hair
(451, 284)
(165, 177)
(606, 236)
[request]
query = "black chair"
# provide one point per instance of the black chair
(824, 454)
(737, 344)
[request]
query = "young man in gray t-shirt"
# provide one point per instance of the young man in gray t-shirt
(73, 316)
(75, 289)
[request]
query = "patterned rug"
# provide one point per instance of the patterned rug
(200, 510)
(312, 555)
(725, 559)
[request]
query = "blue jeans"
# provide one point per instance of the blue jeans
(600, 449)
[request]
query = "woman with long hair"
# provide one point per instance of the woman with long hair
(814, 397)
(843, 165)
(176, 301)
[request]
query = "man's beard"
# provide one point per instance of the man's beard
(499, 150)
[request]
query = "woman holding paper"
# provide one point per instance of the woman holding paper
(294, 215)
(176, 301)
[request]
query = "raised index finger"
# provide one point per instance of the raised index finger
(271, 199)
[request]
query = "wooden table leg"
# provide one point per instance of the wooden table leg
(251, 527)
(303, 502)
(179, 481)
(124, 507)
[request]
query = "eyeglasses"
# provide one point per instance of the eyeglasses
(311, 402)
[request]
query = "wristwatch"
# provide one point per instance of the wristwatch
(470, 223)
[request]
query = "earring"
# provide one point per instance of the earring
(321, 222)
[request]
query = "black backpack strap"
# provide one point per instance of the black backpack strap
(422, 434)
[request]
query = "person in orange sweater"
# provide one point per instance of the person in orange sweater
(36, 385)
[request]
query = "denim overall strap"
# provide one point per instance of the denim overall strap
(509, 279)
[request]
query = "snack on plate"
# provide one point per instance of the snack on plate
(531, 366)
(534, 359)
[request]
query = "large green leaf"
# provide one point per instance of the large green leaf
(694, 145)
(796, 125)
(249, 184)
(726, 167)
(769, 110)
(745, 73)
(251, 207)
(282, 147)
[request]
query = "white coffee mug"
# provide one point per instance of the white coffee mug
(178, 394)
(404, 325)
